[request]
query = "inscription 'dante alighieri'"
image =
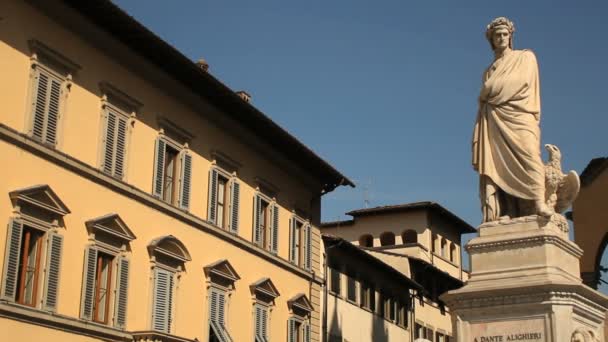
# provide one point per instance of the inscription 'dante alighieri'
(510, 337)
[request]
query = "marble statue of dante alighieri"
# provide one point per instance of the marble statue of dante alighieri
(506, 138)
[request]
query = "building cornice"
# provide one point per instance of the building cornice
(70, 163)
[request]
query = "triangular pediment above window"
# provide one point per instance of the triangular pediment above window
(300, 303)
(40, 196)
(111, 224)
(222, 269)
(264, 287)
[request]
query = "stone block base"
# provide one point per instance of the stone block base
(525, 286)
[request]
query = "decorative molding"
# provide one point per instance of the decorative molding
(175, 131)
(265, 287)
(222, 268)
(523, 242)
(51, 55)
(267, 187)
(62, 323)
(115, 94)
(156, 336)
(111, 224)
(224, 161)
(170, 246)
(41, 196)
(72, 164)
(300, 301)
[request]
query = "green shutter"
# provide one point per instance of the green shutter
(122, 289)
(186, 181)
(121, 148)
(11, 259)
(234, 203)
(52, 271)
(292, 240)
(257, 206)
(53, 112)
(274, 246)
(162, 301)
(88, 283)
(212, 211)
(291, 330)
(307, 246)
(159, 167)
(108, 154)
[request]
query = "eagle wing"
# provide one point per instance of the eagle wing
(567, 191)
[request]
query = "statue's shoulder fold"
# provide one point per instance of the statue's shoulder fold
(527, 54)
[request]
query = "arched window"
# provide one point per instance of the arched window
(387, 239)
(434, 244)
(366, 240)
(453, 253)
(409, 236)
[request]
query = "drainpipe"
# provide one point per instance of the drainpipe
(324, 323)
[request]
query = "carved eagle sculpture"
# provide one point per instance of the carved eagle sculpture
(560, 189)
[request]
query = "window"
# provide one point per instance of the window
(217, 316)
(172, 172)
(439, 337)
(33, 248)
(402, 314)
(169, 256)
(334, 281)
(419, 331)
(261, 323)
(367, 296)
(299, 242)
(434, 244)
(298, 330)
(387, 239)
(114, 141)
(444, 248)
(392, 306)
(221, 277)
(409, 236)
(106, 271)
(429, 334)
(366, 241)
(351, 289)
(266, 223)
(453, 253)
(224, 191)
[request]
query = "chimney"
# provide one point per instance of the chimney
(202, 63)
(244, 95)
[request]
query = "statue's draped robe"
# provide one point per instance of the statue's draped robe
(506, 138)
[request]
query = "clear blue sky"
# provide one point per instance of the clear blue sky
(386, 90)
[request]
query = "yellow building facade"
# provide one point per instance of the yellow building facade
(420, 241)
(145, 200)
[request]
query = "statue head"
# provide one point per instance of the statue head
(500, 27)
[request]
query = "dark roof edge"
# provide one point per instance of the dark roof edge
(144, 42)
(465, 227)
(331, 241)
(595, 167)
(436, 269)
(332, 224)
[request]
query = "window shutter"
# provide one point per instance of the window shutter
(122, 287)
(108, 155)
(258, 321)
(292, 240)
(234, 202)
(212, 211)
(186, 180)
(221, 306)
(306, 333)
(291, 330)
(88, 283)
(264, 325)
(39, 108)
(11, 259)
(275, 229)
(53, 268)
(213, 306)
(163, 291)
(159, 167)
(121, 148)
(257, 206)
(307, 246)
(53, 112)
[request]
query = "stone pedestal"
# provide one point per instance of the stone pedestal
(525, 286)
